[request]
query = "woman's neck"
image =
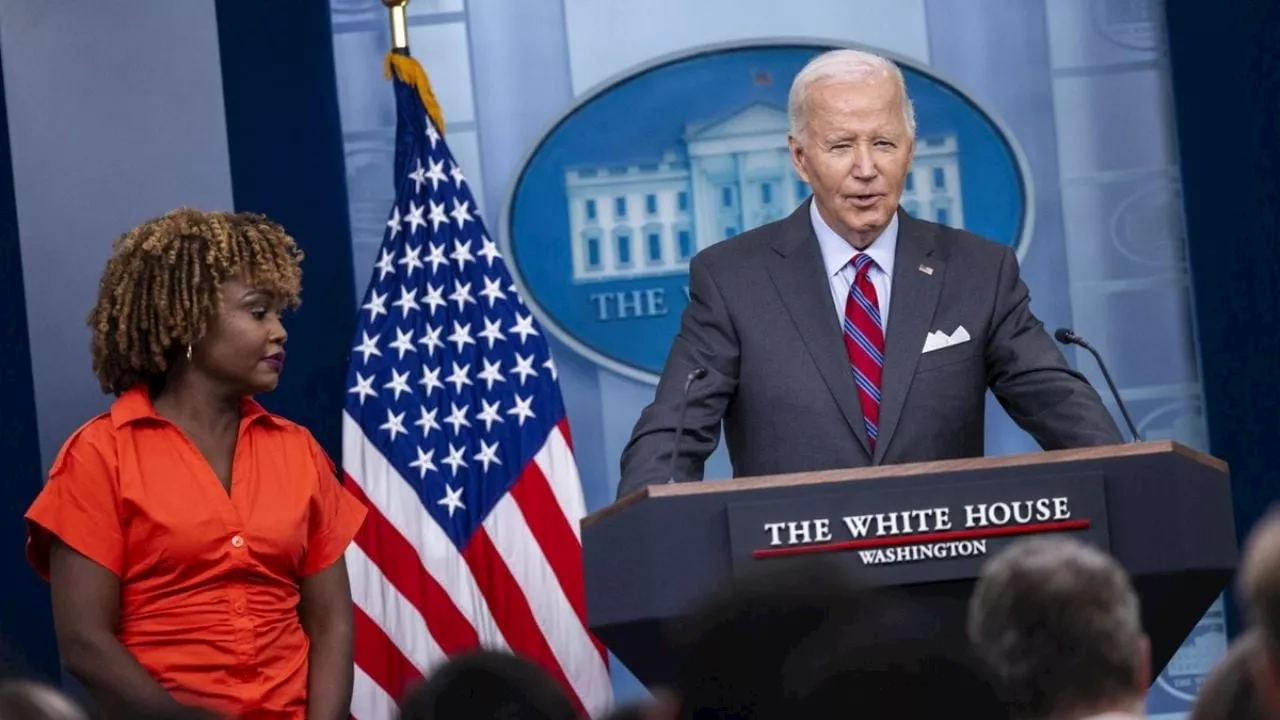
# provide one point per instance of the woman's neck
(195, 403)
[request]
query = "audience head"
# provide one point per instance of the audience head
(485, 684)
(1260, 588)
(739, 636)
(1229, 691)
(28, 700)
(805, 641)
(857, 671)
(640, 711)
(1058, 622)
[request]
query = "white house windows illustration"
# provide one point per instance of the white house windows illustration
(932, 188)
(622, 241)
(684, 243)
(724, 177)
(653, 244)
(591, 243)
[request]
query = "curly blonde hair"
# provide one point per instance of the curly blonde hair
(161, 287)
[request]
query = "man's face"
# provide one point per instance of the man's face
(854, 152)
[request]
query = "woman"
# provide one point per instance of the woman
(192, 540)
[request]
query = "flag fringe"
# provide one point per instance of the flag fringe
(411, 73)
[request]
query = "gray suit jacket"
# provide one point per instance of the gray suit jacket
(761, 322)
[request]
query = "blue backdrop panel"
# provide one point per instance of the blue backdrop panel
(285, 145)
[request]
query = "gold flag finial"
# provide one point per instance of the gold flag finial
(405, 67)
(399, 23)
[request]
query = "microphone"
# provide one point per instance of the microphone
(696, 374)
(1067, 337)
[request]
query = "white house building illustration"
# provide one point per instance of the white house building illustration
(731, 175)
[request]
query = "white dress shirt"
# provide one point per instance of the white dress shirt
(837, 256)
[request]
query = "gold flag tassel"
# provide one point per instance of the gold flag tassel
(411, 73)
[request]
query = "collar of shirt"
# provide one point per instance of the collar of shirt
(836, 252)
(135, 404)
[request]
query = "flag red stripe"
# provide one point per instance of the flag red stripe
(564, 430)
(532, 492)
(402, 567)
(510, 608)
(380, 659)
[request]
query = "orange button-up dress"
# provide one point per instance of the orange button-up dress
(209, 581)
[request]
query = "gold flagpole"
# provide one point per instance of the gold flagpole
(399, 23)
(404, 66)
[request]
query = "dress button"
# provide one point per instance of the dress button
(237, 541)
(239, 606)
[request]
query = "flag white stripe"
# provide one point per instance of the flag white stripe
(369, 701)
(389, 610)
(402, 507)
(561, 471)
(563, 630)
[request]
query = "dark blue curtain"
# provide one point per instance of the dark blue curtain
(26, 623)
(285, 143)
(1226, 83)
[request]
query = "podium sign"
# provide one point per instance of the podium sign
(934, 534)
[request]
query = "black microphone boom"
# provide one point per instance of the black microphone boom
(696, 374)
(1068, 337)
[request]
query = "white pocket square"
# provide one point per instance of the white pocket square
(937, 339)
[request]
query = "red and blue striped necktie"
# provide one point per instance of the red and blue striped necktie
(864, 342)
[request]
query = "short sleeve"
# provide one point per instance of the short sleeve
(335, 518)
(80, 505)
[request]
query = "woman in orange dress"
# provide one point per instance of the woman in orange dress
(193, 541)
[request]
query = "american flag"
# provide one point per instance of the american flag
(455, 438)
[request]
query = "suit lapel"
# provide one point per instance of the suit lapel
(801, 280)
(914, 297)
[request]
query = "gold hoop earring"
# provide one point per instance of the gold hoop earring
(188, 353)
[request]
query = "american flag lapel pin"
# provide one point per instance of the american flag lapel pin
(925, 269)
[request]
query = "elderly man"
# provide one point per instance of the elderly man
(1058, 622)
(851, 333)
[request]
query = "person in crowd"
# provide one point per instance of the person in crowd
(1229, 692)
(808, 642)
(1259, 580)
(635, 711)
(192, 540)
(1058, 622)
(487, 685)
(851, 333)
(855, 671)
(30, 700)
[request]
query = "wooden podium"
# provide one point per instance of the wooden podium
(1162, 509)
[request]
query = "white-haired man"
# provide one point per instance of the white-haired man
(1058, 622)
(851, 333)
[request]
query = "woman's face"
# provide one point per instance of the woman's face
(244, 346)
